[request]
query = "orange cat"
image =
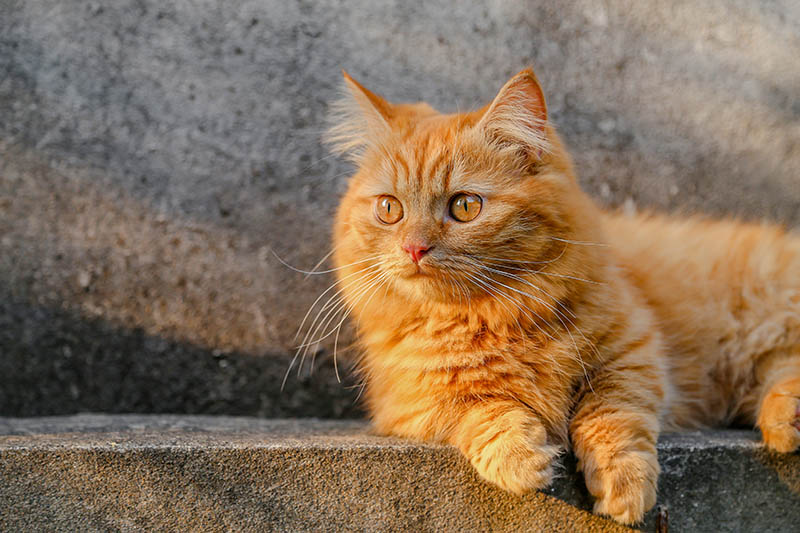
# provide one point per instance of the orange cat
(502, 311)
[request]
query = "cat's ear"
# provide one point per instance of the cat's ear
(518, 115)
(359, 119)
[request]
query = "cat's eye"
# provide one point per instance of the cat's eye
(388, 209)
(465, 207)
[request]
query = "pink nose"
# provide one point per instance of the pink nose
(416, 250)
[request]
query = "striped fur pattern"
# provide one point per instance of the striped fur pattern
(546, 322)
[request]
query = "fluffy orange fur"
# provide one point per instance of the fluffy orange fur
(547, 322)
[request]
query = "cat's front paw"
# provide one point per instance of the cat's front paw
(514, 455)
(779, 421)
(517, 471)
(625, 487)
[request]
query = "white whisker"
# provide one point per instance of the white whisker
(537, 315)
(522, 262)
(326, 256)
(565, 276)
(561, 318)
(519, 306)
(317, 272)
(299, 329)
(581, 243)
(334, 301)
(339, 326)
(526, 282)
(336, 307)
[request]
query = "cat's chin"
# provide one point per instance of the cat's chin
(426, 284)
(417, 271)
(427, 292)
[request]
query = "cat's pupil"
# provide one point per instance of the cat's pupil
(465, 207)
(388, 209)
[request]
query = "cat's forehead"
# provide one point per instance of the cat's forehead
(431, 159)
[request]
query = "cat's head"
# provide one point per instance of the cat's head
(449, 206)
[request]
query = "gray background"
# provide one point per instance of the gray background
(154, 154)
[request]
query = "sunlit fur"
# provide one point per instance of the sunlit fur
(547, 322)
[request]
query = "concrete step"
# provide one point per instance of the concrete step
(201, 473)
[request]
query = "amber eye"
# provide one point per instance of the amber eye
(388, 209)
(465, 207)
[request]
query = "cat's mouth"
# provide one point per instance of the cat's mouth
(420, 270)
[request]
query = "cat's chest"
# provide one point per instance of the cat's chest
(415, 384)
(425, 343)
(463, 356)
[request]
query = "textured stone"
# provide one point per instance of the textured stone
(181, 473)
(153, 155)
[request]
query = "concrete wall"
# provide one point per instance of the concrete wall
(154, 154)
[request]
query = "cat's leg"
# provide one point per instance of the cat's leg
(507, 445)
(779, 406)
(615, 429)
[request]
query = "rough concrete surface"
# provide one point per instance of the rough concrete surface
(183, 473)
(154, 154)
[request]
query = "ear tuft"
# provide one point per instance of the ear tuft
(359, 119)
(518, 115)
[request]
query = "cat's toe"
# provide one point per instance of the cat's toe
(625, 489)
(784, 437)
(520, 471)
(513, 453)
(780, 423)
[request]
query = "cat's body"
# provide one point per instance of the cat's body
(726, 297)
(542, 321)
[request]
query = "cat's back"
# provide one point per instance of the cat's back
(723, 292)
(705, 257)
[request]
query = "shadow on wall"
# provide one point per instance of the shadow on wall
(56, 362)
(110, 307)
